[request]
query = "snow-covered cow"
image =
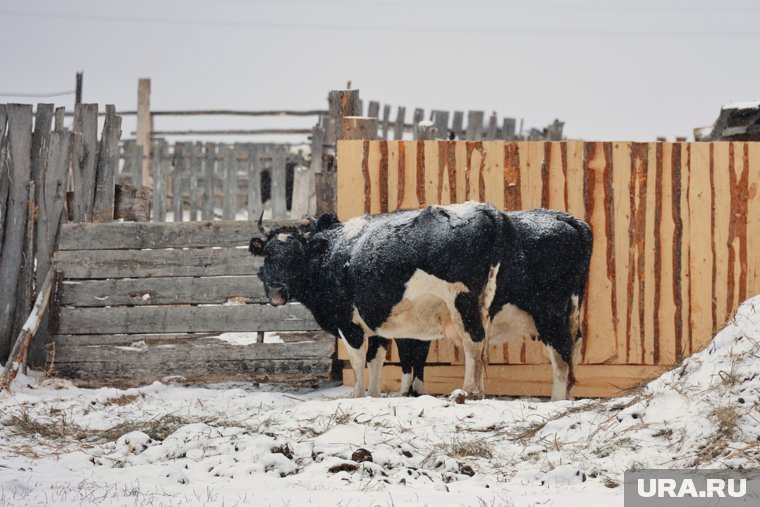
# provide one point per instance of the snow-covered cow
(467, 272)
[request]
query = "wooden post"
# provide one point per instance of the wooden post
(359, 127)
(108, 162)
(254, 183)
(373, 110)
(474, 126)
(178, 175)
(457, 123)
(159, 165)
(19, 149)
(25, 290)
(342, 103)
(85, 158)
(278, 172)
(78, 93)
(60, 113)
(209, 181)
(491, 131)
(195, 173)
(4, 176)
(317, 147)
(441, 122)
(385, 126)
(144, 127)
(398, 126)
(508, 129)
(229, 184)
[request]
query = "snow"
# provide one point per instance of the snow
(224, 444)
(742, 105)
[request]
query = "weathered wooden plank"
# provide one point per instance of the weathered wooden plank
(278, 172)
(385, 124)
(4, 176)
(398, 125)
(127, 170)
(43, 120)
(19, 151)
(750, 155)
(190, 349)
(160, 167)
(85, 159)
(303, 193)
(229, 184)
(341, 103)
(457, 124)
(117, 236)
(491, 129)
(178, 176)
(474, 125)
(184, 319)
(156, 263)
(417, 117)
(373, 109)
(441, 122)
(255, 205)
(508, 129)
(144, 127)
(209, 182)
(60, 112)
(196, 153)
(107, 164)
(164, 291)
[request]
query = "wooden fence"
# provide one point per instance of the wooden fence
(674, 249)
(140, 302)
(208, 181)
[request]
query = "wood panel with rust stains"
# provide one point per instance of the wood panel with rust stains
(673, 255)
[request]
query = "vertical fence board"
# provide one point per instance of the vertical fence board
(254, 184)
(229, 181)
(178, 175)
(621, 177)
(85, 122)
(722, 220)
(196, 154)
(398, 126)
(158, 166)
(456, 123)
(385, 125)
(207, 205)
(701, 240)
(278, 172)
(4, 176)
(107, 165)
(751, 157)
(393, 175)
(19, 150)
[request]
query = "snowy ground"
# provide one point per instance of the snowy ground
(234, 445)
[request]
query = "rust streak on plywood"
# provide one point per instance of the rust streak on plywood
(401, 173)
(365, 175)
(512, 198)
(383, 182)
(677, 249)
(421, 173)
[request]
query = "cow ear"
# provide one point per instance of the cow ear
(318, 244)
(257, 246)
(326, 221)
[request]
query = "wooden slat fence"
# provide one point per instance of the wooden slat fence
(208, 181)
(144, 301)
(673, 255)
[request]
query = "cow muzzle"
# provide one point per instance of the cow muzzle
(278, 295)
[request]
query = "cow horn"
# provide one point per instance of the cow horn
(260, 224)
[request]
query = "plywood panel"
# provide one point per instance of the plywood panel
(621, 176)
(351, 182)
(600, 343)
(722, 220)
(701, 258)
(665, 267)
(751, 154)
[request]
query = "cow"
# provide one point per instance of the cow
(424, 274)
(538, 294)
(466, 272)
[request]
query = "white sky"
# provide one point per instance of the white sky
(627, 69)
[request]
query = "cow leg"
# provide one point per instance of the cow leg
(412, 355)
(375, 359)
(418, 362)
(563, 353)
(473, 341)
(356, 346)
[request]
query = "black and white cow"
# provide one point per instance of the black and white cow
(466, 272)
(412, 356)
(538, 294)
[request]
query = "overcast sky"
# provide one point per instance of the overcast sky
(627, 70)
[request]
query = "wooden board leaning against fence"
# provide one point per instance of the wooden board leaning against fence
(672, 256)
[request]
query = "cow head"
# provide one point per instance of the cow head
(287, 251)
